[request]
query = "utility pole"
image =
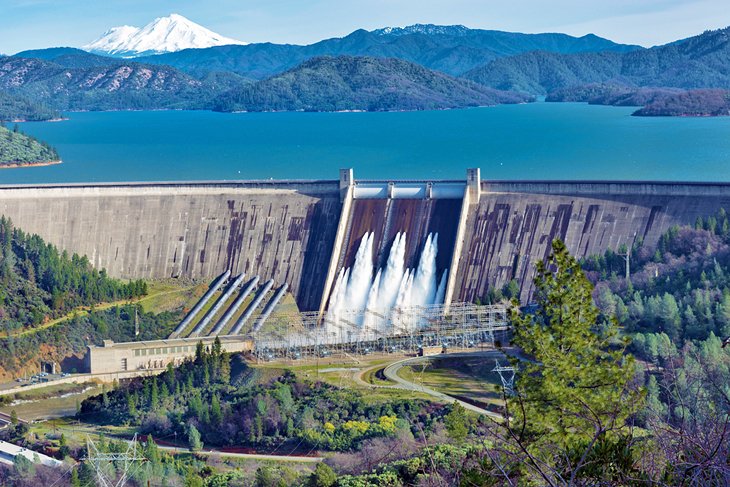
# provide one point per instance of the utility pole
(627, 257)
(100, 460)
(507, 374)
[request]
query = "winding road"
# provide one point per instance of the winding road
(391, 373)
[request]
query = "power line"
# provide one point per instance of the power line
(99, 460)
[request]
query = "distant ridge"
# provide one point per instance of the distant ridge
(164, 34)
(453, 50)
(694, 63)
(363, 84)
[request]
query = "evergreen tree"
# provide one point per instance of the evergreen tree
(574, 393)
(152, 452)
(194, 438)
(323, 476)
(216, 415)
(457, 423)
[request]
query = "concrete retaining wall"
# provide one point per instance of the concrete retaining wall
(514, 224)
(282, 231)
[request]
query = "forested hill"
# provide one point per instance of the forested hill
(672, 102)
(39, 282)
(118, 85)
(19, 108)
(696, 62)
(320, 84)
(19, 149)
(361, 83)
(680, 289)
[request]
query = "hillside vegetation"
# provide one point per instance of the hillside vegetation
(697, 62)
(218, 396)
(321, 84)
(37, 283)
(109, 87)
(692, 103)
(19, 149)
(19, 108)
(360, 83)
(388, 69)
(681, 289)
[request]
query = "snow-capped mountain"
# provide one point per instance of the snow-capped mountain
(429, 29)
(164, 34)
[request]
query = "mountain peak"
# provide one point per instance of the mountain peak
(164, 34)
(430, 29)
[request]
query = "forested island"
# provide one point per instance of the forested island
(655, 102)
(18, 149)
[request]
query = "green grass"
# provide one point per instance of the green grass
(77, 431)
(374, 376)
(345, 377)
(170, 296)
(47, 402)
(467, 378)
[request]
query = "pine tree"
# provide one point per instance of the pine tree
(216, 416)
(457, 423)
(194, 438)
(151, 451)
(323, 476)
(574, 393)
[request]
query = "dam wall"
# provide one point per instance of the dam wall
(302, 233)
(514, 223)
(280, 230)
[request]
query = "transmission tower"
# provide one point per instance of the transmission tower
(507, 374)
(99, 460)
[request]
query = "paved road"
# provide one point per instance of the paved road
(248, 456)
(5, 419)
(391, 372)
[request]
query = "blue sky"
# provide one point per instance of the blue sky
(30, 24)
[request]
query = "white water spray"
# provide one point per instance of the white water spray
(384, 301)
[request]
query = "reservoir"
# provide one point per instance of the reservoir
(531, 141)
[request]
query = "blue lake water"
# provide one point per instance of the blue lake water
(534, 141)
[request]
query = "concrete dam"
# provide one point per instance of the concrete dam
(475, 234)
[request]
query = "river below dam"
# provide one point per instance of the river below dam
(531, 141)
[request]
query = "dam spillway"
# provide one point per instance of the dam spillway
(302, 233)
(416, 218)
(395, 251)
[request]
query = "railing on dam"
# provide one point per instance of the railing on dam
(304, 333)
(409, 190)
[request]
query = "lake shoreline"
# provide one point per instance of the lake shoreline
(30, 164)
(560, 141)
